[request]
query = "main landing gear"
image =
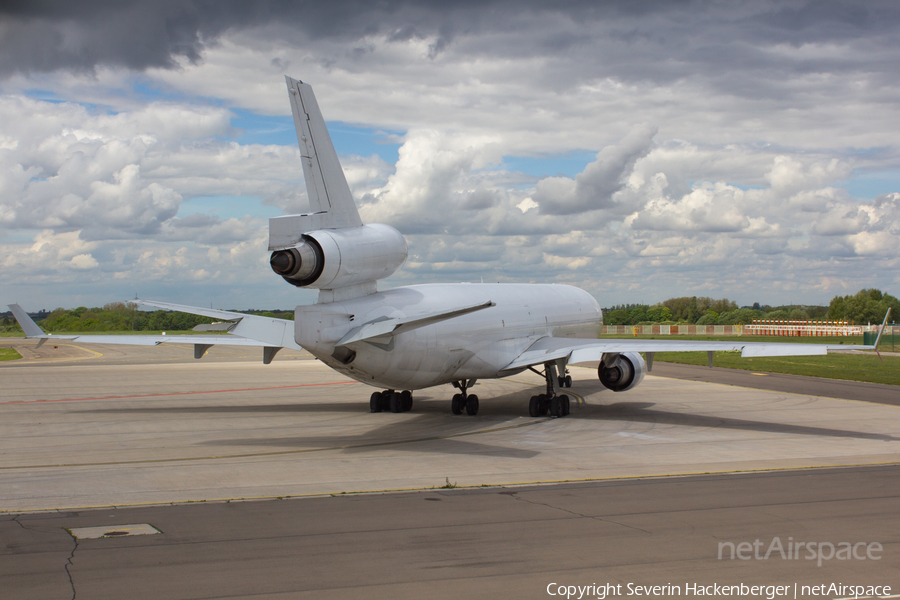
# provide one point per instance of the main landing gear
(557, 406)
(463, 401)
(390, 400)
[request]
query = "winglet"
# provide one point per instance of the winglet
(880, 331)
(30, 328)
(325, 182)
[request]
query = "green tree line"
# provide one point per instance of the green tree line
(867, 306)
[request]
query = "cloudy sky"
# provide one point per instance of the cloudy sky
(640, 150)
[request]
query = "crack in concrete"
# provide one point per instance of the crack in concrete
(577, 514)
(71, 555)
(22, 525)
(69, 564)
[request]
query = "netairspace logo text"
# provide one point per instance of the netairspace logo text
(770, 592)
(818, 551)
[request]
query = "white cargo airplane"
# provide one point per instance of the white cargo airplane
(420, 336)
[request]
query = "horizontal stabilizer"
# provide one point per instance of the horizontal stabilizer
(380, 332)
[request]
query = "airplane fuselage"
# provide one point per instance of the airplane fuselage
(473, 346)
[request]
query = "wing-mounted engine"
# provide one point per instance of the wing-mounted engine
(334, 258)
(621, 372)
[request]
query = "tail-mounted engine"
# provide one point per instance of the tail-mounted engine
(620, 372)
(335, 258)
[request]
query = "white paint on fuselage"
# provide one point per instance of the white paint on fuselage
(474, 346)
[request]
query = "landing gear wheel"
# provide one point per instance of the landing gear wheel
(564, 405)
(406, 397)
(555, 407)
(568, 381)
(543, 406)
(375, 402)
(472, 405)
(534, 407)
(396, 403)
(457, 404)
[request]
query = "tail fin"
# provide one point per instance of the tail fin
(325, 182)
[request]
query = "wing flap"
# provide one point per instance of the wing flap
(156, 340)
(266, 330)
(761, 350)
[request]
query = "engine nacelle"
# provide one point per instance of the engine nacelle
(334, 258)
(625, 371)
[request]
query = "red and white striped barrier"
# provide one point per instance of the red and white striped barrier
(774, 327)
(758, 327)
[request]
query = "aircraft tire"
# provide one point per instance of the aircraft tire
(555, 407)
(396, 403)
(543, 406)
(534, 407)
(407, 398)
(375, 402)
(568, 381)
(472, 405)
(564, 401)
(456, 404)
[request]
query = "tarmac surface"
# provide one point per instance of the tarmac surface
(657, 477)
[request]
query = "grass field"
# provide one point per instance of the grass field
(851, 367)
(9, 354)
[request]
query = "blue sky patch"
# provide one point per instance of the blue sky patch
(227, 207)
(867, 186)
(45, 95)
(566, 165)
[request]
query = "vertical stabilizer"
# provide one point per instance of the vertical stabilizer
(329, 194)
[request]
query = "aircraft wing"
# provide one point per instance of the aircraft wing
(247, 330)
(575, 351)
